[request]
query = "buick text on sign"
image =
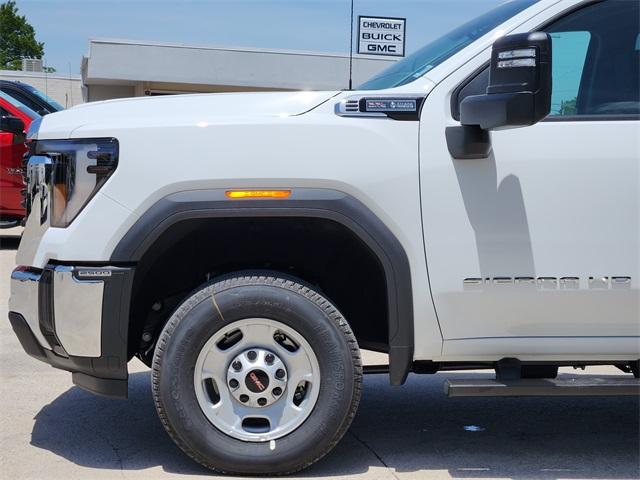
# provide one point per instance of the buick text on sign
(381, 36)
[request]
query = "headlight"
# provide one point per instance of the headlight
(79, 168)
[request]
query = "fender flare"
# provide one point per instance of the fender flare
(303, 202)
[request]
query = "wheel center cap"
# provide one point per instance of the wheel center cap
(257, 377)
(257, 381)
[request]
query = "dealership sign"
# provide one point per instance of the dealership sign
(381, 36)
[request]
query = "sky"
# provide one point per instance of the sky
(65, 26)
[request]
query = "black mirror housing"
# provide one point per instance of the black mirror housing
(519, 91)
(11, 124)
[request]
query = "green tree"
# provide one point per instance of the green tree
(17, 38)
(569, 107)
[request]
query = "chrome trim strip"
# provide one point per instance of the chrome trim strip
(39, 169)
(345, 108)
(24, 299)
(29, 274)
(77, 312)
(38, 180)
(77, 307)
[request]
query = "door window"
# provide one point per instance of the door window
(569, 55)
(596, 68)
(596, 63)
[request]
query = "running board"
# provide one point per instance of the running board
(557, 387)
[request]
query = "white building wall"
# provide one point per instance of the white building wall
(64, 89)
(113, 67)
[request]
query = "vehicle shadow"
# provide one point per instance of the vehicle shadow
(497, 213)
(414, 428)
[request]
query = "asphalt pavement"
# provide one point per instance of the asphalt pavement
(50, 429)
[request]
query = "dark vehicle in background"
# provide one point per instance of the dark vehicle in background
(15, 119)
(30, 97)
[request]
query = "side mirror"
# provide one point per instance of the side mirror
(12, 125)
(519, 91)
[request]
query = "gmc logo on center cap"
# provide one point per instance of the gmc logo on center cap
(256, 381)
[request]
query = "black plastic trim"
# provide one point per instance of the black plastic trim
(455, 96)
(107, 387)
(26, 337)
(623, 117)
(468, 142)
(411, 116)
(310, 203)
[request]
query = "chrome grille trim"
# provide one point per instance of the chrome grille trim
(38, 194)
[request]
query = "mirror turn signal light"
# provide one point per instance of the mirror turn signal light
(235, 194)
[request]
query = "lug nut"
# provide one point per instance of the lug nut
(252, 355)
(269, 358)
(280, 373)
(237, 366)
(277, 391)
(262, 402)
(233, 383)
(244, 398)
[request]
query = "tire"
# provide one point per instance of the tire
(188, 372)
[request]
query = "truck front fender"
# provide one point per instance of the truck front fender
(303, 202)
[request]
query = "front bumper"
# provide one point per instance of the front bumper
(75, 318)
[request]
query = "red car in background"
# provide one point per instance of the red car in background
(15, 119)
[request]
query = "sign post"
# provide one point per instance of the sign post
(381, 36)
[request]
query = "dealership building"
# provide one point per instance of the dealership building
(64, 89)
(126, 68)
(116, 68)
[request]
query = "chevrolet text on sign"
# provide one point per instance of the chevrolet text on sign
(381, 36)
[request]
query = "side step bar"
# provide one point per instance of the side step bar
(557, 387)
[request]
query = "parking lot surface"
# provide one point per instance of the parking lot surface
(51, 430)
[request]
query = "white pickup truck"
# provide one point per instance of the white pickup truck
(246, 246)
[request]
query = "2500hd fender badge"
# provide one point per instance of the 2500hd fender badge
(93, 273)
(549, 283)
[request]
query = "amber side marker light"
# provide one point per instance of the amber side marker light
(258, 193)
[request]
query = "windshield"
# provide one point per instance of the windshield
(20, 106)
(44, 97)
(436, 52)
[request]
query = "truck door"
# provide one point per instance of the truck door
(541, 238)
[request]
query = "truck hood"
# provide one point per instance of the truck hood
(180, 110)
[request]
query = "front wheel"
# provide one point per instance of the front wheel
(256, 374)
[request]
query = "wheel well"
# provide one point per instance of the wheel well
(321, 252)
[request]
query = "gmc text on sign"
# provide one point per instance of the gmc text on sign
(381, 36)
